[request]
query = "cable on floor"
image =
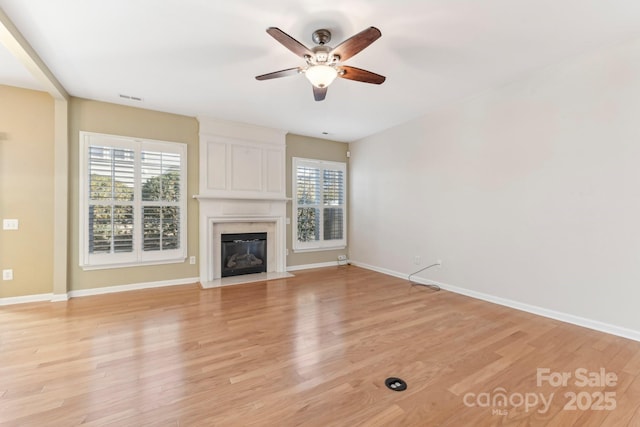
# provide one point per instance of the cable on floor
(428, 285)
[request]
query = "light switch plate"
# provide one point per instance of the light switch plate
(9, 224)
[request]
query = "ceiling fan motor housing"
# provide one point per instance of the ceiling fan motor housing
(321, 54)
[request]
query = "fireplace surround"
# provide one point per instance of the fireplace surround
(242, 190)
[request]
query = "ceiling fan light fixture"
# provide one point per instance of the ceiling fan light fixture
(325, 63)
(321, 76)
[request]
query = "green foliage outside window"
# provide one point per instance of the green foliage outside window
(107, 222)
(114, 223)
(308, 224)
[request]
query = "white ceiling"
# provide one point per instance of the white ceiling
(200, 57)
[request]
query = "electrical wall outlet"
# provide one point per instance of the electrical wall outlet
(7, 274)
(417, 260)
(9, 224)
(439, 262)
(192, 259)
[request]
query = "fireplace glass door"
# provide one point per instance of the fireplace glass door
(243, 253)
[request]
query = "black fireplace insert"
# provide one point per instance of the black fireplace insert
(243, 253)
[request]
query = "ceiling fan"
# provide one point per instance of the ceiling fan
(324, 63)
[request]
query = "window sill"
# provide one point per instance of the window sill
(132, 264)
(332, 248)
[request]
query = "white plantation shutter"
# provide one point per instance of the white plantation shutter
(308, 201)
(160, 200)
(333, 210)
(111, 194)
(132, 204)
(319, 204)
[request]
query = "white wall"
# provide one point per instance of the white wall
(529, 192)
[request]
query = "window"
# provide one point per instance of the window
(319, 194)
(132, 201)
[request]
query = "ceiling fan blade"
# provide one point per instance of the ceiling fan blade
(281, 73)
(360, 75)
(357, 43)
(319, 93)
(289, 42)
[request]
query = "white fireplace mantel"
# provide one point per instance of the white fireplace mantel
(242, 189)
(273, 199)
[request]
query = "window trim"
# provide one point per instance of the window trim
(137, 257)
(320, 245)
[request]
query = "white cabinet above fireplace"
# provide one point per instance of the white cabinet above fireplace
(240, 161)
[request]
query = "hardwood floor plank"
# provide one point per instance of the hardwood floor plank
(310, 350)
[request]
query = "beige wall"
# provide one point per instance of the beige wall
(26, 184)
(26, 190)
(95, 116)
(311, 148)
(528, 193)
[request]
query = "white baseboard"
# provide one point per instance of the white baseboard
(59, 297)
(540, 311)
(96, 291)
(309, 266)
(25, 299)
(380, 270)
(132, 287)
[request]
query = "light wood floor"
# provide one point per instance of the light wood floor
(310, 350)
